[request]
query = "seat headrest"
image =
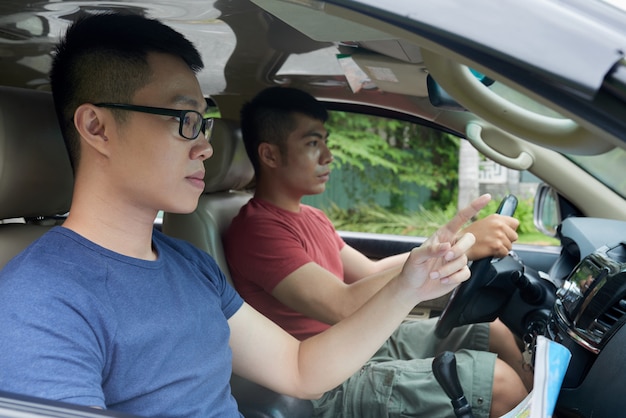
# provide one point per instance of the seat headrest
(35, 173)
(229, 168)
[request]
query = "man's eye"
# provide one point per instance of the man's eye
(189, 120)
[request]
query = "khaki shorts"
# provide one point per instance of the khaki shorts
(398, 380)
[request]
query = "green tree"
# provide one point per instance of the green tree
(388, 154)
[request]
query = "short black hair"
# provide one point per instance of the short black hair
(268, 117)
(103, 58)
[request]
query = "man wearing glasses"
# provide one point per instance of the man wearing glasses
(107, 312)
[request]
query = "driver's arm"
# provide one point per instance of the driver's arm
(319, 294)
(266, 354)
(357, 266)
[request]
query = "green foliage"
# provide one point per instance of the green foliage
(387, 154)
(375, 219)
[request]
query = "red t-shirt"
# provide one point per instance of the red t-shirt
(265, 244)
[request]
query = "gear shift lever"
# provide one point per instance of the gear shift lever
(444, 369)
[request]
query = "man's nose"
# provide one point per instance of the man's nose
(202, 149)
(327, 155)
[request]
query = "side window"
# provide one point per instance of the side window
(398, 177)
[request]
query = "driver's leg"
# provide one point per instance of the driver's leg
(503, 343)
(508, 390)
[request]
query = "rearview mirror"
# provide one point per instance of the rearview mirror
(441, 99)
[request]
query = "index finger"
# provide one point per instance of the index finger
(467, 213)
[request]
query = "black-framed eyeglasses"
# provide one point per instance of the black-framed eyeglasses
(190, 122)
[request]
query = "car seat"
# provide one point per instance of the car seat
(228, 172)
(36, 179)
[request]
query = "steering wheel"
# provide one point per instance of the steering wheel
(452, 315)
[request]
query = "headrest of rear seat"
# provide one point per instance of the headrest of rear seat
(35, 173)
(229, 168)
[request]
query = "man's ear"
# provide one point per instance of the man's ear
(269, 154)
(92, 122)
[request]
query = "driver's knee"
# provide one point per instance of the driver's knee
(501, 339)
(506, 346)
(508, 389)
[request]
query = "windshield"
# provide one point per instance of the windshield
(604, 167)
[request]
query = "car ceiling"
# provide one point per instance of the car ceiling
(239, 62)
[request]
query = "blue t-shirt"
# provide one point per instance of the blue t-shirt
(82, 324)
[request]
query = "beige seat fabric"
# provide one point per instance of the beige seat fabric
(35, 173)
(227, 172)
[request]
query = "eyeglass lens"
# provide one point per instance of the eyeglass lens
(193, 123)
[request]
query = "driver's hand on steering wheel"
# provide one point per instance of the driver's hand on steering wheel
(494, 234)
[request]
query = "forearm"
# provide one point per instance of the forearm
(357, 266)
(356, 294)
(318, 294)
(393, 261)
(266, 354)
(329, 358)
